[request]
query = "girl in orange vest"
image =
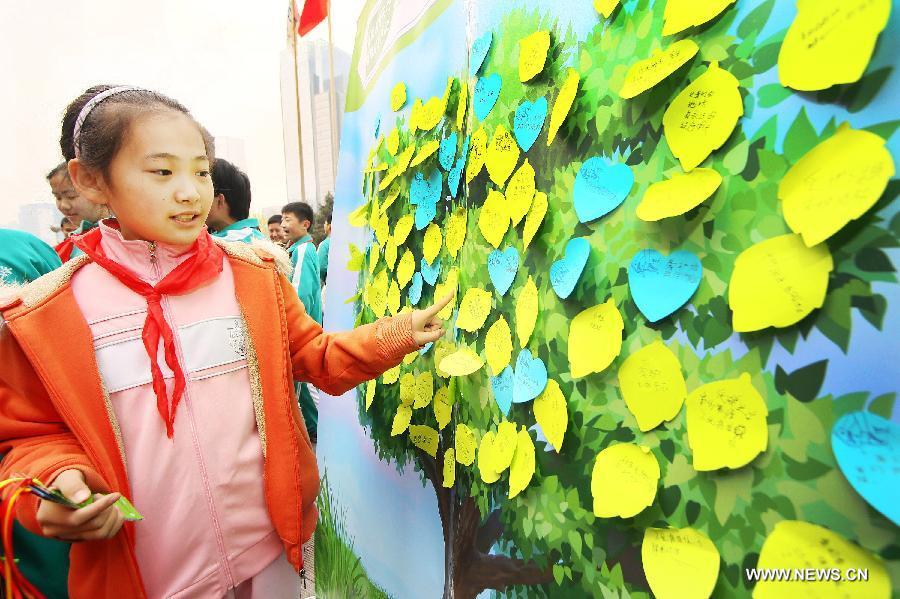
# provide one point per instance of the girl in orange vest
(160, 365)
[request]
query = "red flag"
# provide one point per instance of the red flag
(314, 12)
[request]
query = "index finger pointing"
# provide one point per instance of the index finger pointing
(437, 306)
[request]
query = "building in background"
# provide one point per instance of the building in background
(37, 218)
(320, 138)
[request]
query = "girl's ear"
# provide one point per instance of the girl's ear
(88, 183)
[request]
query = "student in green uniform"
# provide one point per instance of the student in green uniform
(323, 249)
(296, 219)
(229, 215)
(44, 562)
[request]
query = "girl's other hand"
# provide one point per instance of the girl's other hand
(427, 327)
(99, 520)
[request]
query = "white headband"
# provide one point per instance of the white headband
(86, 110)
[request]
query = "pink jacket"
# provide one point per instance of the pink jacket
(235, 487)
(209, 476)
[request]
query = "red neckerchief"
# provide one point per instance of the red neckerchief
(64, 248)
(199, 269)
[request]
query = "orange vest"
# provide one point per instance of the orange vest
(54, 414)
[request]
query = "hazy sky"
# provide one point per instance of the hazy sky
(221, 58)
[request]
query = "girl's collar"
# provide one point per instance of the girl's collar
(112, 232)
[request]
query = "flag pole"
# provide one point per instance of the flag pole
(332, 97)
(297, 105)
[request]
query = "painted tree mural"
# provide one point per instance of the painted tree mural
(546, 541)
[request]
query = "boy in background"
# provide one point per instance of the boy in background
(276, 233)
(229, 215)
(296, 219)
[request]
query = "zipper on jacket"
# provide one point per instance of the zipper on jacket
(220, 540)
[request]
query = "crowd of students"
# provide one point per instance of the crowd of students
(169, 352)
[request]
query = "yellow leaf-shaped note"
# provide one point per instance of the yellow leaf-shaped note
(405, 269)
(526, 311)
(446, 97)
(504, 445)
(477, 154)
(646, 73)
(702, 116)
(402, 228)
(393, 141)
(407, 389)
(391, 376)
(624, 481)
(835, 182)
(357, 258)
(401, 420)
(376, 298)
(450, 286)
(595, 339)
(830, 42)
(564, 101)
(777, 282)
(358, 218)
(442, 407)
(521, 471)
(414, 115)
(552, 414)
(393, 193)
(374, 257)
(486, 459)
(374, 213)
(456, 230)
(390, 253)
(798, 546)
(652, 385)
(520, 193)
(502, 155)
(680, 563)
(424, 390)
(425, 438)
(431, 247)
(431, 114)
(461, 105)
(681, 14)
(493, 219)
(398, 96)
(535, 217)
(533, 54)
(442, 349)
(474, 309)
(498, 346)
(425, 152)
(464, 442)
(410, 357)
(393, 298)
(726, 424)
(462, 362)
(399, 167)
(370, 392)
(605, 7)
(382, 229)
(449, 468)
(679, 194)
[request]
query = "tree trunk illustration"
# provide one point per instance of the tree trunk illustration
(468, 538)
